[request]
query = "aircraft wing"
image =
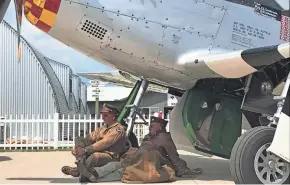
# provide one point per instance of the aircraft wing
(241, 63)
(121, 79)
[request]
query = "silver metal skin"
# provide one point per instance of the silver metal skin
(161, 40)
(269, 168)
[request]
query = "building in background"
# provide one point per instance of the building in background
(153, 102)
(37, 85)
(156, 98)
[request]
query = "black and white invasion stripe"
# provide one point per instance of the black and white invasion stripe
(241, 63)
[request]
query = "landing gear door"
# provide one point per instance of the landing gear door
(280, 145)
(213, 123)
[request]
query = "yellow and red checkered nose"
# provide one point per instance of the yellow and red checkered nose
(41, 13)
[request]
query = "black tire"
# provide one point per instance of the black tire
(244, 151)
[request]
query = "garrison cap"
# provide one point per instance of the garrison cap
(109, 109)
(160, 121)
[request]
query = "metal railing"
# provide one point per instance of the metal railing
(57, 131)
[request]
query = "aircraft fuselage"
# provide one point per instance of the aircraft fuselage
(160, 40)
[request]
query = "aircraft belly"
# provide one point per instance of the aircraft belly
(162, 39)
(145, 44)
(179, 47)
(139, 67)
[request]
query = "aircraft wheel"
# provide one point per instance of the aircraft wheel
(250, 163)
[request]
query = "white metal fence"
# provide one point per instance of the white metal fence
(55, 132)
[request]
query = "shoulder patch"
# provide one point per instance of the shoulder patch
(119, 129)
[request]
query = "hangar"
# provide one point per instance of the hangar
(37, 85)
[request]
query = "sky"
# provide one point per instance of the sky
(53, 48)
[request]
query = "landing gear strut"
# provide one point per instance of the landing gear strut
(251, 161)
(134, 107)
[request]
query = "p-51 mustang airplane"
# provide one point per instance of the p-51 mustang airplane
(222, 57)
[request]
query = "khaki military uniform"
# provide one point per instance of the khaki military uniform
(106, 143)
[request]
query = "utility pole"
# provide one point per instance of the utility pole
(96, 93)
(97, 105)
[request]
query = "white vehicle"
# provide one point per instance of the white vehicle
(224, 57)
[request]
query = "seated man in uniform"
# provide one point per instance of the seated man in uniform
(105, 144)
(159, 139)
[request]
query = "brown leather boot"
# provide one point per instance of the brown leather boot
(73, 171)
